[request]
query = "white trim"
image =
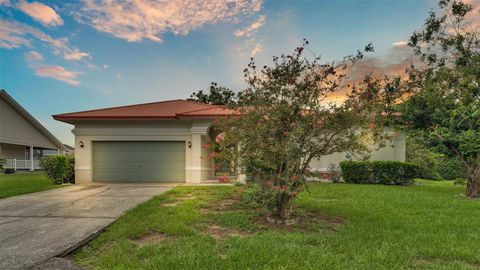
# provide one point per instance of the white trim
(131, 131)
(82, 168)
(199, 130)
(25, 144)
(198, 169)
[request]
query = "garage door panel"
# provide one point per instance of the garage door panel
(138, 161)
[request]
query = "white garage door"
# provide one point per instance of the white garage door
(138, 161)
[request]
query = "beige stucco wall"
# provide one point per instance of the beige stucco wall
(15, 129)
(197, 167)
(394, 149)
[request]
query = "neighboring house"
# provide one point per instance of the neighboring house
(69, 151)
(161, 141)
(23, 140)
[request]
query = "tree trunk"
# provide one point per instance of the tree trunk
(284, 207)
(473, 182)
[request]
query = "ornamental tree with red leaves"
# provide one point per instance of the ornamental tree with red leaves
(286, 120)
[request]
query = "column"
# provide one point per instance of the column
(196, 158)
(31, 159)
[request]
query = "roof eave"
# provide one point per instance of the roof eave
(31, 119)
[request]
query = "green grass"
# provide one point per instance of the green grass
(430, 225)
(16, 184)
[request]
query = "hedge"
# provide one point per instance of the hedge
(60, 169)
(379, 172)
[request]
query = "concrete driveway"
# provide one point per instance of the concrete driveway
(37, 226)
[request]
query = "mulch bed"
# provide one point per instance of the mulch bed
(306, 222)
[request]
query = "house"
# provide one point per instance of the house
(23, 140)
(69, 151)
(160, 141)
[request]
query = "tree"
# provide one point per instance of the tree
(218, 95)
(286, 121)
(440, 100)
(445, 101)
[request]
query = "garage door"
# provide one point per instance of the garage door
(138, 161)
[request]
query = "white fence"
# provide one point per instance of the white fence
(19, 164)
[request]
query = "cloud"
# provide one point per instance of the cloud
(14, 34)
(35, 61)
(75, 55)
(150, 19)
(473, 17)
(33, 56)
(400, 44)
(58, 73)
(257, 49)
(41, 13)
(11, 36)
(395, 62)
(252, 28)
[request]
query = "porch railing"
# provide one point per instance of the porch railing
(21, 164)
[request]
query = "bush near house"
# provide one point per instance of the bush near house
(452, 168)
(379, 172)
(2, 163)
(60, 169)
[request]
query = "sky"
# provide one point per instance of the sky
(65, 56)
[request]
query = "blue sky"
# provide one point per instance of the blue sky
(57, 57)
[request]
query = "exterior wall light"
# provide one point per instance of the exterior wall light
(189, 143)
(81, 144)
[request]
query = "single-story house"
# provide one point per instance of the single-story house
(160, 141)
(69, 150)
(23, 140)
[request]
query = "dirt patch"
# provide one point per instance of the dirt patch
(174, 203)
(149, 238)
(180, 199)
(304, 222)
(307, 222)
(220, 207)
(186, 197)
(330, 222)
(220, 233)
(426, 261)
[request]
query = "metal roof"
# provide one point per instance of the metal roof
(170, 109)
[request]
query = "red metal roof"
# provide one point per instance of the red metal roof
(170, 109)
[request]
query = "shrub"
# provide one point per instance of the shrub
(452, 168)
(379, 172)
(355, 171)
(2, 163)
(60, 169)
(460, 182)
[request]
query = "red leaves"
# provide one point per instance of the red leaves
(223, 179)
(220, 137)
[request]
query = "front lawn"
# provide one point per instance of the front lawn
(16, 184)
(428, 226)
